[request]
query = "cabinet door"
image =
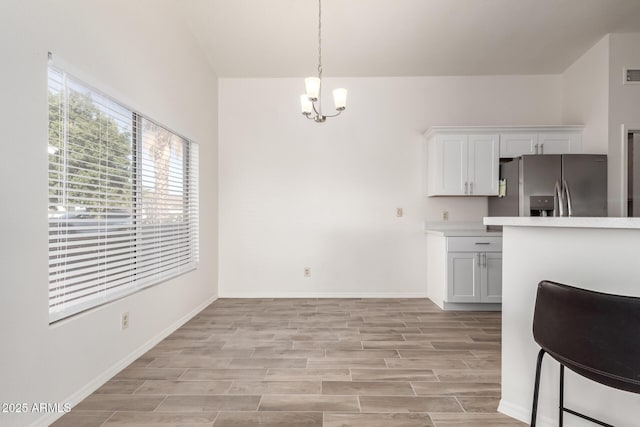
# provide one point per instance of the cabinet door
(448, 174)
(463, 281)
(491, 287)
(560, 143)
(517, 144)
(483, 165)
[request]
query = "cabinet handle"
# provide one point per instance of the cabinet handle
(466, 187)
(479, 260)
(483, 243)
(485, 259)
(541, 148)
(471, 188)
(536, 148)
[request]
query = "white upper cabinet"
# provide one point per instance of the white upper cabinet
(451, 152)
(463, 164)
(547, 140)
(484, 165)
(560, 143)
(464, 161)
(517, 144)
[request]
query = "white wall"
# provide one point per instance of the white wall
(585, 86)
(297, 194)
(624, 111)
(138, 50)
(594, 95)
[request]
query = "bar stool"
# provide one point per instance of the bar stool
(595, 335)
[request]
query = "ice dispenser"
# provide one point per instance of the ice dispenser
(541, 205)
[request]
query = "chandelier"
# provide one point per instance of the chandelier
(310, 102)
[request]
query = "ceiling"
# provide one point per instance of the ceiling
(361, 38)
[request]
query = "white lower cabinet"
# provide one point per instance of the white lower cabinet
(491, 288)
(464, 272)
(474, 277)
(463, 277)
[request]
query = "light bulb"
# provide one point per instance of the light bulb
(305, 104)
(340, 98)
(312, 85)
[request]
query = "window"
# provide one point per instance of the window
(123, 199)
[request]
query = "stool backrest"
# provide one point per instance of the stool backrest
(594, 334)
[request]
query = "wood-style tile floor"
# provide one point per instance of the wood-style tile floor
(311, 362)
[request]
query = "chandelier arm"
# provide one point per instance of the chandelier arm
(336, 114)
(318, 110)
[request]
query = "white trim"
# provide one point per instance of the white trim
(101, 379)
(263, 294)
(471, 306)
(502, 129)
(624, 160)
(623, 171)
(524, 414)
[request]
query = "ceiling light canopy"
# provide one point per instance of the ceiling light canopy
(310, 102)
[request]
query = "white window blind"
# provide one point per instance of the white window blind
(123, 199)
(167, 214)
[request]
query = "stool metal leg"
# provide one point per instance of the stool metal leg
(561, 405)
(536, 388)
(562, 409)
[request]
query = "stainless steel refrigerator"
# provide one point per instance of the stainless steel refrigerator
(552, 185)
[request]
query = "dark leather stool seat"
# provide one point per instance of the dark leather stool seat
(594, 334)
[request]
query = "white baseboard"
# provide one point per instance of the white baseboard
(471, 306)
(322, 295)
(101, 379)
(524, 414)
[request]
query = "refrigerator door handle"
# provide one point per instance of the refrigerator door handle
(568, 193)
(559, 202)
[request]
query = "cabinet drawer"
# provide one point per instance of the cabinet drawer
(474, 244)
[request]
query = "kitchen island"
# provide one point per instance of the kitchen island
(600, 254)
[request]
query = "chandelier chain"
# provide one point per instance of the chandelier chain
(319, 39)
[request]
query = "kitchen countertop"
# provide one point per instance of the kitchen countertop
(565, 222)
(459, 229)
(479, 232)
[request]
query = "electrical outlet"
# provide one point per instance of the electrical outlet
(445, 215)
(399, 212)
(307, 272)
(124, 320)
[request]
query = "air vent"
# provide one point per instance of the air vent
(631, 76)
